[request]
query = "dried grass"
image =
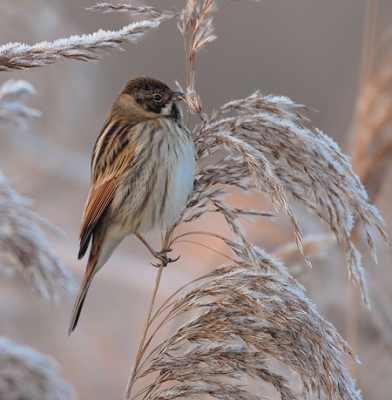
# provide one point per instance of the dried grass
(24, 248)
(371, 151)
(250, 314)
(371, 147)
(145, 11)
(12, 108)
(252, 310)
(82, 48)
(26, 374)
(276, 151)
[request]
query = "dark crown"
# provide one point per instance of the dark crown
(145, 84)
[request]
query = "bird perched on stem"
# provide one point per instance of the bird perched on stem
(142, 172)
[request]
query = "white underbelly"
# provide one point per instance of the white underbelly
(157, 187)
(166, 206)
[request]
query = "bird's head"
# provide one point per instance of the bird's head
(148, 98)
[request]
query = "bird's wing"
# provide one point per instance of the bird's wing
(97, 201)
(109, 165)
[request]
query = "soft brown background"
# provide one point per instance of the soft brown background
(308, 50)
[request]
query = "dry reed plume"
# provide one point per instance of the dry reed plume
(26, 374)
(371, 148)
(83, 48)
(23, 246)
(12, 108)
(251, 311)
(371, 152)
(250, 314)
(22, 243)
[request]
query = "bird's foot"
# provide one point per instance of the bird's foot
(162, 256)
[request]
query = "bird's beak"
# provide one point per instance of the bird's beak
(178, 96)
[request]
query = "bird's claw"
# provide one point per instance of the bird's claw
(162, 256)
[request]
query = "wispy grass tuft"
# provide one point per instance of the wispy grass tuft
(249, 314)
(24, 248)
(371, 148)
(276, 151)
(371, 152)
(82, 48)
(26, 374)
(147, 11)
(12, 108)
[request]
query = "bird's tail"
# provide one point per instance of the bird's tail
(88, 278)
(99, 254)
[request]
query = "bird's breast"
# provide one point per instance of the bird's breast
(154, 190)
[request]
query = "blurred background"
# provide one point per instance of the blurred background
(308, 50)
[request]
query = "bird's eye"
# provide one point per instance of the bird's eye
(157, 98)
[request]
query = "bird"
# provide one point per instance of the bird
(142, 173)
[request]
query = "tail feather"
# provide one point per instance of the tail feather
(88, 278)
(101, 249)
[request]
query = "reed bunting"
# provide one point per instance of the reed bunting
(142, 172)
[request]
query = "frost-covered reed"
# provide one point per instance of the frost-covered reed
(250, 311)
